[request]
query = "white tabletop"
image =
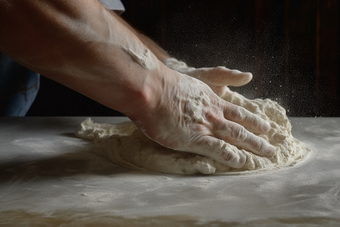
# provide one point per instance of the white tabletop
(50, 177)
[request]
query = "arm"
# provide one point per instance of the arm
(90, 51)
(159, 52)
(80, 47)
(218, 78)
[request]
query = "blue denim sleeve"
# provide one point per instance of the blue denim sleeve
(18, 87)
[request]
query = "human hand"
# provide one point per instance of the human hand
(218, 78)
(185, 115)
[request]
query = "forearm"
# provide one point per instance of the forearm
(159, 52)
(84, 48)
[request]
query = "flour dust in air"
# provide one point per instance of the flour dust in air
(127, 146)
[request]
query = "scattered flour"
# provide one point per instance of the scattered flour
(126, 145)
(145, 59)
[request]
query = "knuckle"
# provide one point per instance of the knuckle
(239, 133)
(256, 121)
(239, 114)
(228, 156)
(234, 160)
(259, 144)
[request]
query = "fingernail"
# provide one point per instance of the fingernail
(266, 126)
(235, 71)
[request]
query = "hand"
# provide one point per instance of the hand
(186, 115)
(217, 78)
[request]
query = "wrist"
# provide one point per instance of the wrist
(154, 91)
(142, 94)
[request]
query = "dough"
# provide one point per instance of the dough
(126, 145)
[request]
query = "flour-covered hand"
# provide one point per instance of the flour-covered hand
(218, 78)
(186, 115)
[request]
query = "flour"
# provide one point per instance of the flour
(145, 59)
(126, 145)
(194, 108)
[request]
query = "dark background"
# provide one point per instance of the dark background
(290, 46)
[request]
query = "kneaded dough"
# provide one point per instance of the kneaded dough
(127, 146)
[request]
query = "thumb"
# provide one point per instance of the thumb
(221, 76)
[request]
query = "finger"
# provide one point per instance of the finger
(219, 90)
(221, 76)
(221, 151)
(237, 135)
(245, 118)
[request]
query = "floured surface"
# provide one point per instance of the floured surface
(126, 145)
(48, 175)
